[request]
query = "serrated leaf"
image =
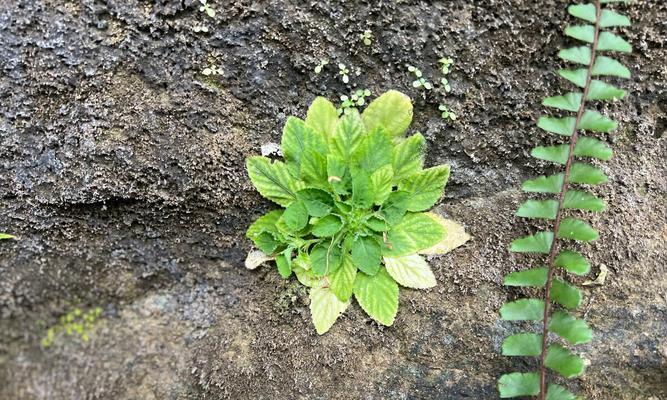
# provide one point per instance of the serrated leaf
(544, 184)
(265, 223)
(579, 200)
(325, 308)
(563, 361)
(455, 236)
(537, 243)
(314, 169)
(415, 232)
(561, 126)
(596, 122)
(565, 294)
(322, 117)
(557, 392)
(591, 147)
(408, 158)
(374, 151)
(609, 41)
(572, 262)
(585, 33)
(297, 138)
(284, 264)
(304, 273)
(362, 190)
(586, 174)
(576, 76)
(325, 258)
(538, 209)
(557, 154)
(395, 207)
(377, 224)
(574, 330)
(338, 175)
(608, 66)
(341, 282)
(579, 55)
(425, 187)
(609, 18)
(584, 11)
(273, 180)
(523, 310)
(576, 229)
(317, 202)
(569, 101)
(522, 344)
(266, 242)
(600, 90)
(327, 226)
(296, 216)
(378, 296)
(519, 384)
(366, 254)
(410, 271)
(392, 111)
(381, 184)
(536, 277)
(348, 134)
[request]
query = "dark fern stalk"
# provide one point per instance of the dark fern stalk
(572, 330)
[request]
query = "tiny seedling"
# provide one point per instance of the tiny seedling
(445, 64)
(420, 82)
(366, 37)
(74, 323)
(6, 236)
(205, 7)
(356, 99)
(200, 28)
(320, 66)
(354, 197)
(445, 84)
(212, 70)
(344, 72)
(446, 114)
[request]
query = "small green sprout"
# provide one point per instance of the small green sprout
(212, 70)
(320, 66)
(445, 63)
(6, 236)
(344, 71)
(206, 8)
(445, 84)
(420, 82)
(367, 37)
(200, 28)
(356, 99)
(75, 323)
(446, 114)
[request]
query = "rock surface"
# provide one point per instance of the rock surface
(122, 176)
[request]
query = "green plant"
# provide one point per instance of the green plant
(6, 236)
(75, 323)
(344, 72)
(356, 99)
(420, 82)
(205, 7)
(354, 193)
(446, 114)
(445, 63)
(366, 37)
(320, 66)
(557, 356)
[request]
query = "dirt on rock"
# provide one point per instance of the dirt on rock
(122, 176)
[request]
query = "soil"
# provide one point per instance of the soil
(122, 176)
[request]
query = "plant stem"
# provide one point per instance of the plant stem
(559, 213)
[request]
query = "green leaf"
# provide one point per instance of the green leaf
(523, 310)
(523, 344)
(561, 126)
(348, 135)
(609, 67)
(538, 209)
(327, 226)
(600, 90)
(296, 216)
(6, 236)
(377, 224)
(425, 187)
(265, 223)
(325, 258)
(297, 138)
(579, 200)
(415, 232)
(317, 202)
(569, 102)
(410, 271)
(557, 392)
(455, 236)
(284, 264)
(535, 277)
(584, 11)
(576, 229)
(378, 296)
(519, 384)
(537, 243)
(381, 184)
(362, 190)
(544, 184)
(563, 361)
(408, 158)
(579, 55)
(273, 181)
(609, 18)
(558, 154)
(341, 281)
(395, 207)
(574, 330)
(322, 117)
(305, 275)
(576, 76)
(325, 308)
(374, 151)
(314, 168)
(572, 262)
(585, 33)
(392, 111)
(338, 175)
(266, 242)
(565, 294)
(586, 174)
(594, 121)
(591, 147)
(611, 42)
(366, 254)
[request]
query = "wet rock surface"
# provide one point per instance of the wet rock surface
(122, 176)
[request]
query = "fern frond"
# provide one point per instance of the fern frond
(558, 292)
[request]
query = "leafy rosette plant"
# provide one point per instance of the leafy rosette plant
(355, 196)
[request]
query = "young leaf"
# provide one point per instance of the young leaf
(341, 281)
(266, 242)
(367, 254)
(322, 117)
(325, 258)
(408, 158)
(572, 262)
(377, 295)
(348, 135)
(535, 277)
(565, 294)
(374, 151)
(415, 232)
(586, 174)
(381, 184)
(338, 175)
(558, 154)
(575, 331)
(325, 308)
(579, 200)
(327, 226)
(318, 202)
(410, 271)
(362, 189)
(563, 361)
(591, 147)
(544, 184)
(538, 209)
(314, 169)
(296, 216)
(425, 187)
(395, 207)
(273, 181)
(576, 229)
(519, 384)
(537, 243)
(297, 138)
(392, 111)
(522, 344)
(523, 310)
